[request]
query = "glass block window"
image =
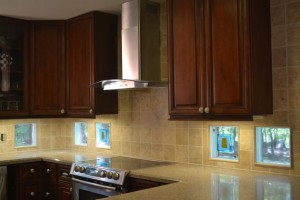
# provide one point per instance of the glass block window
(25, 135)
(273, 146)
(224, 142)
(103, 135)
(81, 133)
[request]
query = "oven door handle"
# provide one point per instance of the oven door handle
(93, 184)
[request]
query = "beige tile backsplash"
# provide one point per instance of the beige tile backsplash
(141, 129)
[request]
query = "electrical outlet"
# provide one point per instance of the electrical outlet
(2, 137)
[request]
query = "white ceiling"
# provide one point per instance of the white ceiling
(56, 9)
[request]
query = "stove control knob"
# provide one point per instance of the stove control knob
(81, 169)
(76, 169)
(109, 175)
(116, 176)
(103, 173)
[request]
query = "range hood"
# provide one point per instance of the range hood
(140, 37)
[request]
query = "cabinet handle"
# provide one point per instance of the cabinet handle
(206, 109)
(32, 170)
(48, 194)
(48, 171)
(62, 111)
(91, 111)
(32, 194)
(71, 189)
(201, 110)
(64, 174)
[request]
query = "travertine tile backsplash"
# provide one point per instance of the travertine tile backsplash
(141, 129)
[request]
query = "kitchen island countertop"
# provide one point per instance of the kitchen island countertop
(193, 181)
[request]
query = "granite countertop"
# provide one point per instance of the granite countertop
(193, 181)
(57, 156)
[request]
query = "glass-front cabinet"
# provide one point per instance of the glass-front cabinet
(13, 67)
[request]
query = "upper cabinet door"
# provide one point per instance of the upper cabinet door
(219, 59)
(227, 52)
(13, 68)
(187, 68)
(80, 65)
(47, 77)
(91, 57)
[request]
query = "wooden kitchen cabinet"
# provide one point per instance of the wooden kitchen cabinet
(30, 191)
(25, 181)
(49, 181)
(39, 180)
(91, 56)
(219, 59)
(47, 77)
(66, 58)
(65, 191)
(13, 68)
(64, 182)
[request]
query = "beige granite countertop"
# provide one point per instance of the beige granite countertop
(57, 156)
(194, 181)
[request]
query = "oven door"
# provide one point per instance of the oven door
(83, 190)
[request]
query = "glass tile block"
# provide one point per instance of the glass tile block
(25, 135)
(103, 135)
(273, 146)
(224, 142)
(81, 133)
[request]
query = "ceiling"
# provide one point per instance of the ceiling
(56, 9)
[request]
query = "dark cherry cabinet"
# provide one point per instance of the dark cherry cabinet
(91, 56)
(49, 179)
(64, 183)
(39, 180)
(30, 191)
(47, 68)
(219, 59)
(25, 181)
(13, 68)
(65, 191)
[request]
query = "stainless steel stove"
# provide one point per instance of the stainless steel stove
(104, 176)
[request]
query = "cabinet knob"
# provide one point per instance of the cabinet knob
(91, 111)
(32, 194)
(64, 174)
(206, 109)
(71, 189)
(48, 171)
(32, 170)
(48, 194)
(62, 111)
(201, 110)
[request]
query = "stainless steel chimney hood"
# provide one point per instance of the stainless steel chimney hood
(141, 64)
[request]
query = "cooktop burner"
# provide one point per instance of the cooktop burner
(110, 170)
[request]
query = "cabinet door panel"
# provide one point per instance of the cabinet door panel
(31, 191)
(14, 68)
(227, 56)
(48, 68)
(80, 65)
(30, 171)
(185, 56)
(91, 57)
(64, 190)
